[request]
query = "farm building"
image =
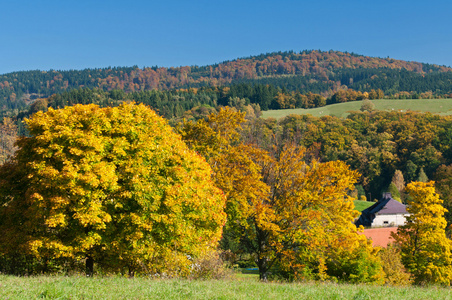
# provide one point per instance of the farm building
(385, 213)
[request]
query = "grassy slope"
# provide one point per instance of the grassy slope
(362, 205)
(61, 287)
(437, 106)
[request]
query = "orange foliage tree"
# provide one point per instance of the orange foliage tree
(292, 214)
(115, 186)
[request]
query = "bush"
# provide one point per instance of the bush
(391, 261)
(210, 266)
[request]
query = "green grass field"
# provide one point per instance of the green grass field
(61, 287)
(362, 205)
(437, 106)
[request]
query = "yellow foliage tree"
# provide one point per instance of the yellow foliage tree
(391, 261)
(425, 249)
(115, 186)
(214, 136)
(311, 231)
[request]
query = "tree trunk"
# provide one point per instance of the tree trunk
(131, 272)
(89, 266)
(262, 264)
(262, 260)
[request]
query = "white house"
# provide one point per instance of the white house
(385, 213)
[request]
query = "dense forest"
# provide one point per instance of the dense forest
(375, 143)
(318, 72)
(269, 81)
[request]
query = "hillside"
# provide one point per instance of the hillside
(306, 71)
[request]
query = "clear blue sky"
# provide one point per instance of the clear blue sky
(62, 35)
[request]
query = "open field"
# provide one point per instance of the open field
(437, 106)
(78, 287)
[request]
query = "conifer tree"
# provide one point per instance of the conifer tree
(394, 192)
(422, 176)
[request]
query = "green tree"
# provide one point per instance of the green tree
(115, 186)
(361, 193)
(394, 192)
(367, 105)
(425, 249)
(443, 185)
(411, 169)
(422, 177)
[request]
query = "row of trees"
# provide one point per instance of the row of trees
(372, 142)
(299, 226)
(174, 103)
(115, 187)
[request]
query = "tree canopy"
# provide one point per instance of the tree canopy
(426, 251)
(115, 186)
(291, 212)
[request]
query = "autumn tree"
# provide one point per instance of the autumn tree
(399, 183)
(426, 251)
(391, 261)
(443, 185)
(8, 136)
(313, 231)
(112, 186)
(291, 212)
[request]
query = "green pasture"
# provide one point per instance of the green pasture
(436, 106)
(362, 205)
(79, 287)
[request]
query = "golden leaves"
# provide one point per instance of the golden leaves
(98, 177)
(426, 251)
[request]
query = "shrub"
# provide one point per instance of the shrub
(391, 261)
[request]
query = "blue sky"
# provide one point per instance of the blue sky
(64, 35)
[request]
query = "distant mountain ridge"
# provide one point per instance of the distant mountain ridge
(318, 71)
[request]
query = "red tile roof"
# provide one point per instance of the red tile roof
(380, 236)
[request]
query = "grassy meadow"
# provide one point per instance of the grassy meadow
(341, 110)
(79, 287)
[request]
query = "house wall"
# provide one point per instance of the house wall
(389, 220)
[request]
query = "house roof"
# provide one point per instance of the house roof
(380, 236)
(386, 206)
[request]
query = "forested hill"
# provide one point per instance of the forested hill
(306, 71)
